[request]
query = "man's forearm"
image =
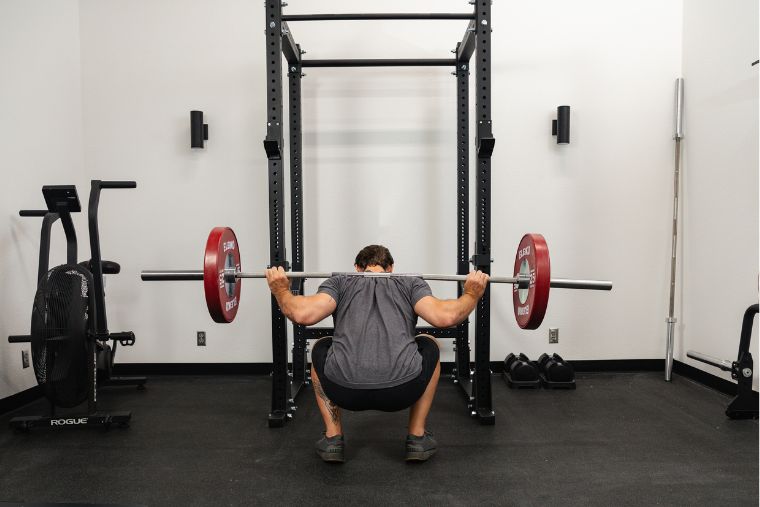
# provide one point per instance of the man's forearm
(463, 306)
(288, 303)
(452, 312)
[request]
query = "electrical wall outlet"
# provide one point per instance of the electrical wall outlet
(553, 335)
(201, 338)
(25, 359)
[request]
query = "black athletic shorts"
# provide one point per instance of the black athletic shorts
(389, 399)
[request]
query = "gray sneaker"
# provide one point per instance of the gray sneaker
(420, 448)
(330, 449)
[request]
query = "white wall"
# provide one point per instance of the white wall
(720, 177)
(40, 143)
(379, 154)
(602, 201)
(146, 64)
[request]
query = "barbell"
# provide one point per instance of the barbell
(222, 277)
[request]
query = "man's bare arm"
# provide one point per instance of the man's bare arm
(450, 312)
(304, 310)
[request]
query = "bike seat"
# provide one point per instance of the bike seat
(109, 267)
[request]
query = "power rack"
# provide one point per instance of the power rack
(474, 379)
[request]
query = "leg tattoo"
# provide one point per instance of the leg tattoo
(332, 408)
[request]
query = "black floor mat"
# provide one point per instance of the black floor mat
(619, 439)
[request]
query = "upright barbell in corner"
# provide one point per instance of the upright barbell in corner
(222, 277)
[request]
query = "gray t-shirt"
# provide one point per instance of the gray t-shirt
(373, 344)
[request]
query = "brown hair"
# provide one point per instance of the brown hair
(374, 255)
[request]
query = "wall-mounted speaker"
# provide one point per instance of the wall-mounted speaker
(561, 126)
(198, 130)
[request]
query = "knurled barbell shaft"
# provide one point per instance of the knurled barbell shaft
(372, 274)
(559, 283)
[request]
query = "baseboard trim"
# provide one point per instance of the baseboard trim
(617, 365)
(587, 366)
(609, 365)
(704, 378)
(581, 366)
(18, 400)
(192, 369)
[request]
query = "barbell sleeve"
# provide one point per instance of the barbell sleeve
(181, 275)
(567, 283)
(723, 364)
(197, 275)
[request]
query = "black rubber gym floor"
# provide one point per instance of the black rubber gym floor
(619, 439)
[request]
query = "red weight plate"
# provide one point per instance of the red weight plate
(222, 252)
(532, 258)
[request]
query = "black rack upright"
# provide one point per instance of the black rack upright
(473, 378)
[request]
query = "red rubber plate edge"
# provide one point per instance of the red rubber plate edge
(221, 306)
(530, 314)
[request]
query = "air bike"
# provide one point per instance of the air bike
(72, 350)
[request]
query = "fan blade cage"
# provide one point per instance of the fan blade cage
(60, 323)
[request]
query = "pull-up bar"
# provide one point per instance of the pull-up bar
(390, 15)
(389, 62)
